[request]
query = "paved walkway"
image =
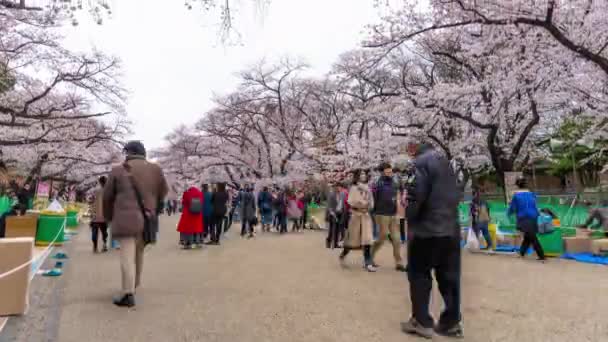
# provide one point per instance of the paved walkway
(290, 288)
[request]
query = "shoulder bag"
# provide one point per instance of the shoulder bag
(150, 218)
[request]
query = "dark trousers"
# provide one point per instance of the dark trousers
(97, 227)
(230, 217)
(275, 219)
(227, 223)
(367, 254)
(246, 227)
(334, 233)
(282, 222)
(296, 224)
(303, 219)
(3, 224)
(441, 254)
(216, 228)
(207, 222)
(531, 239)
(402, 229)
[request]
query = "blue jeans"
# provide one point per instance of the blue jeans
(482, 227)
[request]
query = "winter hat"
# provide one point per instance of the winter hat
(135, 147)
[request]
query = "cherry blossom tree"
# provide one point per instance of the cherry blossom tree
(61, 113)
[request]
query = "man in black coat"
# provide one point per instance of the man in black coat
(432, 215)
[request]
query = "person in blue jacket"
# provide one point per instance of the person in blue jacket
(524, 206)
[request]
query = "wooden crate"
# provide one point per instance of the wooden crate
(21, 226)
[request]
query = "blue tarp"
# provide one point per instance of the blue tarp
(586, 258)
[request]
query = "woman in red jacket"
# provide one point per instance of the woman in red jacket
(190, 224)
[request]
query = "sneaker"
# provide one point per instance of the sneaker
(400, 268)
(413, 327)
(456, 331)
(370, 268)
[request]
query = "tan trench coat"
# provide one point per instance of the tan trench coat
(360, 231)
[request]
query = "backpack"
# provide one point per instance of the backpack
(484, 213)
(545, 224)
(293, 212)
(196, 206)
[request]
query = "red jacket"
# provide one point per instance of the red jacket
(190, 223)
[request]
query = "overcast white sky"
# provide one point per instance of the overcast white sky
(173, 62)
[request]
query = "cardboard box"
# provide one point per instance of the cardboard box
(14, 288)
(21, 226)
(579, 244)
(599, 247)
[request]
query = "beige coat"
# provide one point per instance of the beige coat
(120, 204)
(359, 231)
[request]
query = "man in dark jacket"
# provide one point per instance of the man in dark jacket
(432, 215)
(219, 204)
(385, 214)
(280, 206)
(335, 210)
(207, 210)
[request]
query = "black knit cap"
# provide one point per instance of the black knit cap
(135, 147)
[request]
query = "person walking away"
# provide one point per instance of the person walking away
(306, 199)
(432, 217)
(385, 212)
(480, 218)
(98, 222)
(401, 205)
(280, 204)
(345, 212)
(248, 212)
(207, 210)
(233, 206)
(191, 221)
(335, 206)
(220, 209)
(25, 196)
(523, 204)
(294, 214)
(133, 185)
(265, 208)
(359, 234)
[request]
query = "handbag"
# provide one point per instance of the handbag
(150, 218)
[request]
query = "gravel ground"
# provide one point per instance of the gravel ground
(290, 288)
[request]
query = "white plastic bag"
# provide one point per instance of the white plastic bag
(55, 206)
(472, 241)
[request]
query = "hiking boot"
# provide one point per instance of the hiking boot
(413, 327)
(127, 300)
(455, 331)
(400, 268)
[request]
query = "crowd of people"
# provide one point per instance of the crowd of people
(418, 207)
(207, 215)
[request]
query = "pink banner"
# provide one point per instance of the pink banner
(43, 190)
